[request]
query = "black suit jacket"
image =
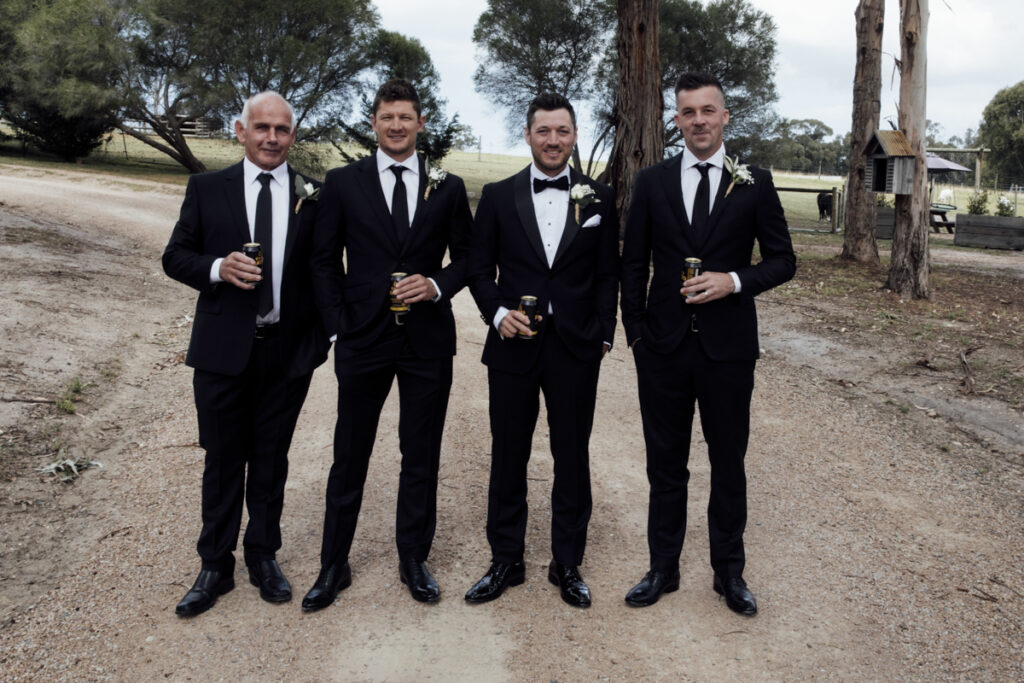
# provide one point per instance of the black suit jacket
(657, 228)
(212, 224)
(354, 221)
(581, 284)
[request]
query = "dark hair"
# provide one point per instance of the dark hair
(693, 80)
(549, 101)
(397, 89)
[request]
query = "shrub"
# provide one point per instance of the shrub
(1004, 207)
(883, 200)
(977, 204)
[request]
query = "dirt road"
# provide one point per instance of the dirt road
(883, 543)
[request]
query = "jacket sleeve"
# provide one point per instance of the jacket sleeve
(183, 258)
(636, 259)
(778, 262)
(606, 277)
(328, 246)
(483, 258)
(452, 278)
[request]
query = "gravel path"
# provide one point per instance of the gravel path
(882, 545)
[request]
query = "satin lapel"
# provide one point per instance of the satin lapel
(235, 193)
(293, 218)
(672, 180)
(421, 205)
(716, 210)
(572, 226)
(369, 183)
(524, 205)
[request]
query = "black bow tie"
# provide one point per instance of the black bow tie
(540, 185)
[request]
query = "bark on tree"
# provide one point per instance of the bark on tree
(639, 131)
(861, 208)
(908, 270)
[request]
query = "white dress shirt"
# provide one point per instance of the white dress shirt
(691, 178)
(280, 195)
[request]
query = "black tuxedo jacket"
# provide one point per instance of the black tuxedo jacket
(581, 284)
(353, 220)
(657, 228)
(212, 224)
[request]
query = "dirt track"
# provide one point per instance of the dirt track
(881, 545)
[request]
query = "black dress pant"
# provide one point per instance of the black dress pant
(570, 391)
(364, 382)
(244, 420)
(669, 386)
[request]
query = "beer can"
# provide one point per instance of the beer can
(528, 307)
(693, 269)
(255, 252)
(398, 307)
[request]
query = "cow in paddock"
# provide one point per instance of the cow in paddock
(824, 206)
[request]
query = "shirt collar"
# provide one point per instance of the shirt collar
(717, 159)
(250, 172)
(541, 175)
(384, 162)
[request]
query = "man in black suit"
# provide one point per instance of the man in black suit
(389, 213)
(698, 343)
(255, 342)
(550, 233)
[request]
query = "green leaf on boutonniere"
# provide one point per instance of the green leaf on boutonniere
(304, 191)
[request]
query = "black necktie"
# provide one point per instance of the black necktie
(701, 204)
(399, 204)
(265, 236)
(539, 185)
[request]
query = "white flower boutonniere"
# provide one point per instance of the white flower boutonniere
(304, 191)
(435, 176)
(582, 196)
(740, 173)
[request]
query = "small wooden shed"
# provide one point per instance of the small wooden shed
(890, 163)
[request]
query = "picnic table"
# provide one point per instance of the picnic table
(937, 217)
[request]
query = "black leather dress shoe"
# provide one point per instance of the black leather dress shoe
(500, 576)
(268, 577)
(331, 581)
(568, 579)
(737, 596)
(204, 592)
(650, 588)
(417, 577)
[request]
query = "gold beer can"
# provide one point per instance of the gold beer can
(397, 305)
(693, 269)
(528, 307)
(254, 251)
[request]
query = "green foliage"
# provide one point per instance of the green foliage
(398, 56)
(532, 46)
(1002, 130)
(883, 200)
(62, 64)
(977, 203)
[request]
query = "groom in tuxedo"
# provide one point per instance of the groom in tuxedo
(695, 341)
(386, 214)
(550, 233)
(256, 340)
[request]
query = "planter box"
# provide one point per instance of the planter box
(886, 222)
(993, 232)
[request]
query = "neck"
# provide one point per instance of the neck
(397, 158)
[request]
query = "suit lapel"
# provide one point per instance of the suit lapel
(421, 204)
(234, 190)
(572, 226)
(672, 179)
(293, 218)
(369, 183)
(524, 206)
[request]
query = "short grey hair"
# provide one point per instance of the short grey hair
(259, 97)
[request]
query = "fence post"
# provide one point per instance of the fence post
(835, 209)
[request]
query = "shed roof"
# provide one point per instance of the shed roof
(892, 143)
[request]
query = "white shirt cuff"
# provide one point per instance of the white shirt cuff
(735, 282)
(215, 272)
(498, 317)
(436, 288)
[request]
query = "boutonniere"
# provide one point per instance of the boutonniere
(435, 176)
(304, 191)
(582, 196)
(740, 173)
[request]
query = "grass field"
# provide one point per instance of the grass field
(124, 155)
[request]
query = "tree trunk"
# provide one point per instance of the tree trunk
(639, 132)
(908, 271)
(861, 209)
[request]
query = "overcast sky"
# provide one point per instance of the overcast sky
(974, 50)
